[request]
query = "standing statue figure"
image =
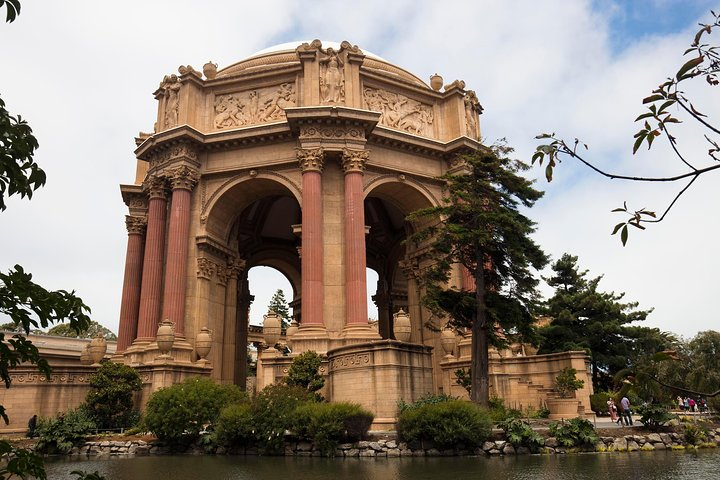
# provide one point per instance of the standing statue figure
(171, 85)
(472, 110)
(331, 81)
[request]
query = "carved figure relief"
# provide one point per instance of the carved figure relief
(171, 89)
(472, 111)
(332, 81)
(256, 106)
(399, 111)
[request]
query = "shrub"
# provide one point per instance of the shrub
(327, 424)
(61, 434)
(519, 432)
(272, 414)
(179, 413)
(110, 400)
(427, 399)
(235, 425)
(304, 372)
(576, 432)
(566, 383)
(598, 403)
(695, 433)
(447, 424)
(654, 416)
(498, 411)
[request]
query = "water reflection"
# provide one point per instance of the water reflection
(637, 466)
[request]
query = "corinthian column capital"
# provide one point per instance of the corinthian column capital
(310, 159)
(183, 177)
(354, 160)
(135, 225)
(155, 186)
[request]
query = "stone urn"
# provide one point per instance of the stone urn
(203, 342)
(401, 326)
(165, 338)
(271, 329)
(98, 348)
(85, 358)
(563, 408)
(210, 70)
(436, 82)
(448, 342)
(290, 332)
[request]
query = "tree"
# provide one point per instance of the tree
(110, 399)
(65, 330)
(585, 318)
(657, 122)
(305, 372)
(479, 226)
(279, 305)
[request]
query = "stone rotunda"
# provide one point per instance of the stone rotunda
(306, 158)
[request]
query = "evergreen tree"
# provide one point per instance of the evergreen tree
(585, 318)
(279, 305)
(480, 227)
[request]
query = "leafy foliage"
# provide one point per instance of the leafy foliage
(327, 424)
(110, 399)
(654, 416)
(695, 433)
(81, 475)
(519, 432)
(463, 377)
(480, 227)
(427, 399)
(92, 331)
(576, 432)
(177, 414)
(585, 318)
(658, 121)
(21, 463)
(279, 305)
(304, 372)
(447, 424)
(598, 403)
(13, 9)
(61, 434)
(235, 425)
(567, 383)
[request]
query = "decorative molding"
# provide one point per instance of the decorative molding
(38, 378)
(177, 152)
(331, 132)
(155, 186)
(354, 160)
(310, 159)
(135, 225)
(350, 361)
(253, 106)
(206, 268)
(400, 112)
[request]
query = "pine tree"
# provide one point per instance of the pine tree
(279, 305)
(480, 227)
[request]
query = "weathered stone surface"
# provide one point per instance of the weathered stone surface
(632, 446)
(647, 447)
(619, 444)
(391, 444)
(654, 438)
(665, 438)
(522, 450)
(487, 446)
(433, 452)
(551, 442)
(368, 453)
(376, 446)
(508, 450)
(494, 451)
(353, 452)
(393, 452)
(500, 444)
(659, 446)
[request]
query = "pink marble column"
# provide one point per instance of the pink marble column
(353, 163)
(149, 315)
(130, 302)
(311, 163)
(468, 281)
(182, 179)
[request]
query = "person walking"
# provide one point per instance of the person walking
(625, 407)
(32, 425)
(612, 409)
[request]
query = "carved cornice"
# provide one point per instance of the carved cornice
(183, 177)
(155, 186)
(354, 160)
(135, 199)
(214, 247)
(180, 152)
(310, 160)
(135, 225)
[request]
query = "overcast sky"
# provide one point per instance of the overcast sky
(83, 72)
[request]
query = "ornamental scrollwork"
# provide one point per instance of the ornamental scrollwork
(400, 112)
(350, 361)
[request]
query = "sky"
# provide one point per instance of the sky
(82, 74)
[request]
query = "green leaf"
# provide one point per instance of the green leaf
(652, 98)
(618, 226)
(548, 173)
(665, 105)
(689, 65)
(644, 115)
(624, 235)
(538, 157)
(640, 137)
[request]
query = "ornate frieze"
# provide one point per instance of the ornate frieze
(400, 112)
(350, 361)
(472, 110)
(354, 160)
(183, 177)
(36, 378)
(254, 106)
(331, 132)
(310, 159)
(179, 152)
(135, 225)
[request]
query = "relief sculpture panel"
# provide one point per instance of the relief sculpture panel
(400, 112)
(253, 106)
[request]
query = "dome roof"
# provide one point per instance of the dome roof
(284, 53)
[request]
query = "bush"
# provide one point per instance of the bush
(427, 399)
(178, 414)
(110, 400)
(598, 403)
(520, 433)
(695, 434)
(566, 383)
(576, 432)
(272, 414)
(61, 434)
(447, 424)
(235, 426)
(654, 416)
(304, 372)
(327, 424)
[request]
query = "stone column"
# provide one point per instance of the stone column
(229, 345)
(311, 163)
(182, 179)
(130, 302)
(356, 313)
(149, 315)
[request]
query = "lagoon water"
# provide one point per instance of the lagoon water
(704, 464)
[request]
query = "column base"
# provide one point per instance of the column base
(146, 352)
(310, 337)
(359, 333)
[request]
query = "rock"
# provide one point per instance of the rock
(665, 438)
(393, 452)
(500, 444)
(654, 438)
(391, 444)
(304, 446)
(405, 452)
(433, 452)
(551, 442)
(632, 446)
(363, 444)
(648, 447)
(494, 451)
(345, 446)
(418, 453)
(353, 452)
(368, 453)
(659, 446)
(487, 446)
(619, 445)
(376, 446)
(523, 450)
(508, 449)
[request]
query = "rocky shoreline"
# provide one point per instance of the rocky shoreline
(391, 448)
